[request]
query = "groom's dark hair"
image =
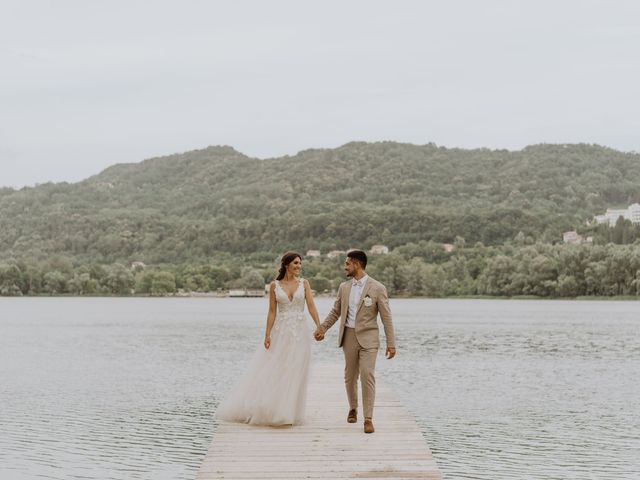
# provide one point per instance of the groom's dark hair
(358, 256)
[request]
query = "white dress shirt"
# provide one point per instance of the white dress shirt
(354, 298)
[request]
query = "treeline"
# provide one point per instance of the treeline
(60, 276)
(622, 233)
(518, 268)
(513, 269)
(192, 207)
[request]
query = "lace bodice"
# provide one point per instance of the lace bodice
(286, 304)
(290, 316)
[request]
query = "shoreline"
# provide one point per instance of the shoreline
(459, 297)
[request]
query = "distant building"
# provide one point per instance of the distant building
(634, 212)
(571, 237)
(335, 253)
(379, 250)
(448, 247)
(631, 213)
(313, 253)
(138, 266)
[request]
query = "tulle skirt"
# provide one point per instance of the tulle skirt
(273, 390)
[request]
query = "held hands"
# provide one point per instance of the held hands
(391, 352)
(319, 334)
(267, 342)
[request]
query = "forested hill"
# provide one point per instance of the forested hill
(188, 207)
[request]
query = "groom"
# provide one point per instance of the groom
(359, 301)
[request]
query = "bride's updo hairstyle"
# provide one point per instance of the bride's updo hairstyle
(286, 259)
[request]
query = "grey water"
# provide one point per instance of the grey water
(126, 388)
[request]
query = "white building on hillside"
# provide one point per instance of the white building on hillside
(632, 213)
(574, 237)
(313, 253)
(335, 253)
(571, 237)
(448, 247)
(379, 250)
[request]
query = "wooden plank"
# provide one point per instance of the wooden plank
(326, 446)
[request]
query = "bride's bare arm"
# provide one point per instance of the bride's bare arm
(308, 296)
(271, 315)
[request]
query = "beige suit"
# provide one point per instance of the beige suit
(360, 344)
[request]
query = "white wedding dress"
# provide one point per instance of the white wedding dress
(273, 391)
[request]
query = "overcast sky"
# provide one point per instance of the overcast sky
(86, 84)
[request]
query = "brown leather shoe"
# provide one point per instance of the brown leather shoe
(368, 426)
(353, 416)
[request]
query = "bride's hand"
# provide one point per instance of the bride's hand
(319, 334)
(267, 342)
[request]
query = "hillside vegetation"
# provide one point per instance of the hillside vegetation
(190, 207)
(214, 219)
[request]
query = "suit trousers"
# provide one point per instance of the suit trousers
(359, 361)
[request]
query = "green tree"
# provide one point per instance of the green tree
(54, 282)
(251, 278)
(10, 280)
(163, 283)
(568, 286)
(119, 280)
(320, 284)
(83, 284)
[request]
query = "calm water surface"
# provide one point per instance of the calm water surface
(127, 388)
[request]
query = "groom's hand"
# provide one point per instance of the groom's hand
(391, 352)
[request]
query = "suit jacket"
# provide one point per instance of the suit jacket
(366, 316)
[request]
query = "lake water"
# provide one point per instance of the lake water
(126, 388)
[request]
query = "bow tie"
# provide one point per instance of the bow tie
(358, 283)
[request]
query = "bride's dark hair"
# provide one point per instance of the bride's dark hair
(286, 259)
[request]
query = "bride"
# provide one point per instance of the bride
(273, 390)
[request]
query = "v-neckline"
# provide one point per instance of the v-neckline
(290, 298)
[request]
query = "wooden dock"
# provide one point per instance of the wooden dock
(326, 447)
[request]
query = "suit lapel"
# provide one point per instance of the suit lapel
(365, 292)
(345, 300)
